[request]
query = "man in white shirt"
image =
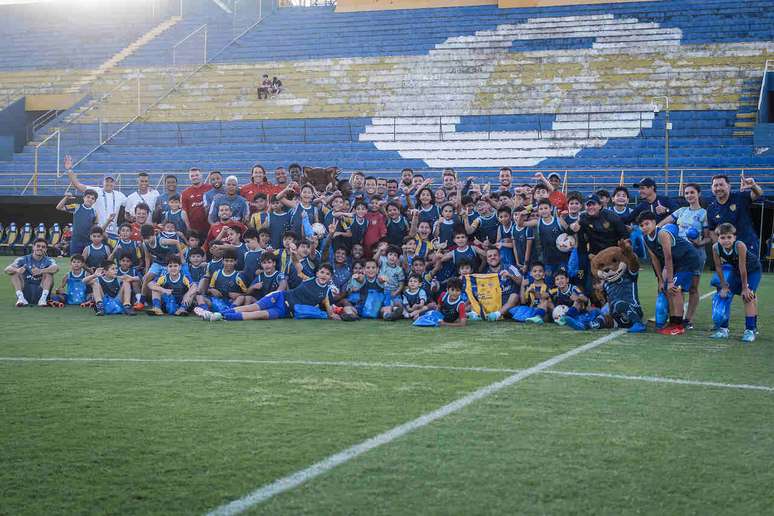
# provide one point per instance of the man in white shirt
(109, 200)
(144, 194)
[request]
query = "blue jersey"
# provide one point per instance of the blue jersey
(109, 287)
(96, 255)
(625, 215)
(563, 297)
(175, 217)
(507, 286)
(296, 220)
(241, 251)
(487, 228)
(197, 273)
(370, 285)
(358, 229)
(225, 283)
(269, 283)
(308, 268)
(130, 247)
(76, 288)
(214, 266)
(397, 229)
(465, 254)
(279, 224)
(131, 272)
(737, 211)
(29, 263)
(179, 286)
(446, 230)
(521, 236)
(251, 264)
(429, 214)
(341, 276)
(548, 232)
(412, 299)
(452, 310)
(160, 253)
(732, 257)
(83, 220)
(685, 258)
(309, 293)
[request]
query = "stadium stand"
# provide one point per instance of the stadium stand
(474, 88)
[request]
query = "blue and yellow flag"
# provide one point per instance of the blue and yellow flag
(484, 293)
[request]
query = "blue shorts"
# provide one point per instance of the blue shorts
(735, 282)
(77, 247)
(274, 304)
(156, 269)
(682, 279)
(32, 291)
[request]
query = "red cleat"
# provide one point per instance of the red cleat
(676, 329)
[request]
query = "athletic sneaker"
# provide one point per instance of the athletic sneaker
(637, 327)
(207, 315)
(42, 301)
(688, 325)
(155, 310)
(562, 320)
(21, 301)
(535, 320)
(573, 323)
(181, 311)
(493, 316)
(473, 316)
(721, 333)
(99, 309)
(671, 329)
(748, 336)
(128, 310)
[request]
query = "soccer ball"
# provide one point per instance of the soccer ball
(559, 312)
(692, 233)
(565, 243)
(318, 229)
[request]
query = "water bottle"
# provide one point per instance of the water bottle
(662, 310)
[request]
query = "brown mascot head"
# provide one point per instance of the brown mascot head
(320, 178)
(611, 263)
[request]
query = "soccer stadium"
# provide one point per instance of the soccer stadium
(386, 257)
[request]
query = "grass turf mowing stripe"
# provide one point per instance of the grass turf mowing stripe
(300, 477)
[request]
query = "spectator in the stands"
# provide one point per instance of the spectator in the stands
(216, 184)
(240, 209)
(735, 208)
(109, 200)
(144, 194)
(264, 89)
(650, 201)
(192, 200)
(276, 86)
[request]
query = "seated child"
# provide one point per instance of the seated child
(105, 286)
(451, 305)
(73, 289)
(174, 289)
(536, 293)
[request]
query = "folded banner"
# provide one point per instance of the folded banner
(484, 293)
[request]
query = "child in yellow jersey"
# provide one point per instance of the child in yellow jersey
(536, 294)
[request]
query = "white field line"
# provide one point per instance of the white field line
(383, 365)
(374, 365)
(659, 379)
(296, 479)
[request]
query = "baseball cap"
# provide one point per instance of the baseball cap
(645, 182)
(554, 174)
(109, 176)
(593, 198)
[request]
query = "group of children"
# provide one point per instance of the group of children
(384, 249)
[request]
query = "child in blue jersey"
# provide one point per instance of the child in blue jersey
(566, 294)
(504, 242)
(446, 224)
(303, 264)
(196, 268)
(574, 207)
(743, 281)
(342, 272)
(225, 283)
(97, 251)
(127, 273)
(268, 280)
(176, 286)
(429, 284)
(72, 290)
(84, 218)
(397, 225)
(413, 302)
(252, 257)
(484, 227)
(280, 304)
(523, 241)
(125, 245)
(175, 214)
(367, 283)
(426, 208)
(278, 221)
(157, 248)
(462, 252)
(452, 306)
(359, 224)
(285, 254)
(106, 285)
(675, 262)
(421, 231)
(620, 204)
(393, 276)
(549, 227)
(536, 293)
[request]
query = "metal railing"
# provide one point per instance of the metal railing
(763, 88)
(34, 179)
(193, 33)
(307, 3)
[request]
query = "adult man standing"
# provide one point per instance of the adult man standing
(661, 205)
(192, 200)
(216, 184)
(109, 200)
(170, 189)
(33, 275)
(735, 208)
(240, 210)
(506, 178)
(144, 194)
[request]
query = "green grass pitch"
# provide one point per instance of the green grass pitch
(178, 416)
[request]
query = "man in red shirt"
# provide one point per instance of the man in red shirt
(224, 221)
(192, 200)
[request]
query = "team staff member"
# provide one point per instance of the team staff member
(735, 208)
(660, 205)
(192, 200)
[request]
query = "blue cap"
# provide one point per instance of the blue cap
(593, 198)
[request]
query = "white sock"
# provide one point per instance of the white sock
(19, 294)
(44, 295)
(137, 298)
